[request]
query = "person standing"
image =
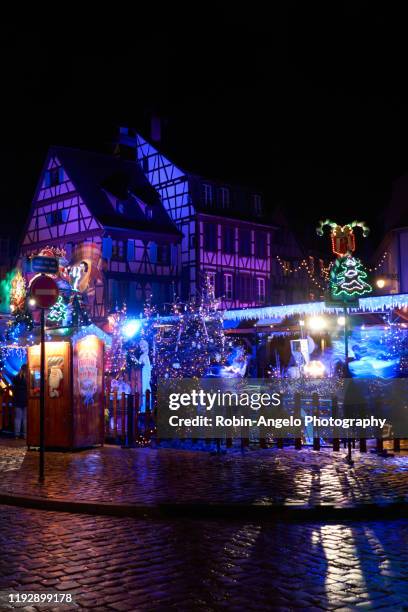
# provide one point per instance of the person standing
(20, 402)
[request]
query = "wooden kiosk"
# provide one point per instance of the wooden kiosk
(74, 391)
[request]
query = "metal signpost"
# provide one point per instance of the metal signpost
(44, 291)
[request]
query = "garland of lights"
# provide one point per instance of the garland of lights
(286, 267)
(325, 270)
(379, 264)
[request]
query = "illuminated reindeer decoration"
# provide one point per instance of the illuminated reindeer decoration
(342, 236)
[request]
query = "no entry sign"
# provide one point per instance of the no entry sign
(44, 290)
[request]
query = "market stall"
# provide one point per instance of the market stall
(74, 393)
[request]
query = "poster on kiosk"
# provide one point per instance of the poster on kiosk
(73, 393)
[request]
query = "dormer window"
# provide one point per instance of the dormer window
(224, 197)
(257, 204)
(145, 208)
(207, 194)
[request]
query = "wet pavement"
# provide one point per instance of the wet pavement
(153, 476)
(113, 563)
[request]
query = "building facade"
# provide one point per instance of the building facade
(227, 234)
(144, 228)
(101, 211)
(390, 261)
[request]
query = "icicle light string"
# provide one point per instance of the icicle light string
(368, 304)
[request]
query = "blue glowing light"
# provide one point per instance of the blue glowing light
(131, 327)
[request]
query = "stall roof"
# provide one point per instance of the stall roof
(370, 304)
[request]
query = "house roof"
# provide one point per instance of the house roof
(103, 180)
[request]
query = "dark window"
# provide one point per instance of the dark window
(210, 237)
(245, 288)
(119, 293)
(53, 177)
(207, 194)
(118, 250)
(224, 197)
(228, 239)
(56, 217)
(162, 292)
(260, 290)
(163, 254)
(245, 242)
(257, 204)
(260, 245)
(228, 286)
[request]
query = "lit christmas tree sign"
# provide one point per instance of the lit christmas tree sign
(347, 279)
(59, 311)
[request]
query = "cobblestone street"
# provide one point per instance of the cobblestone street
(151, 476)
(124, 563)
(127, 564)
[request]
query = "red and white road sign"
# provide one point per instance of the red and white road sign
(44, 290)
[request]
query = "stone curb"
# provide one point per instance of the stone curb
(215, 511)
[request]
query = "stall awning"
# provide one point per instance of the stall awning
(370, 304)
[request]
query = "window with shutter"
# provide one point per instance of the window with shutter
(118, 250)
(53, 177)
(153, 252)
(107, 247)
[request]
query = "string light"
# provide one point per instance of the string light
(378, 266)
(303, 266)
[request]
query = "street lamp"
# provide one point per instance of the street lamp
(317, 323)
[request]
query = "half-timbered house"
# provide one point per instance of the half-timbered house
(102, 209)
(227, 233)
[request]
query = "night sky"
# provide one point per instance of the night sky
(310, 105)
